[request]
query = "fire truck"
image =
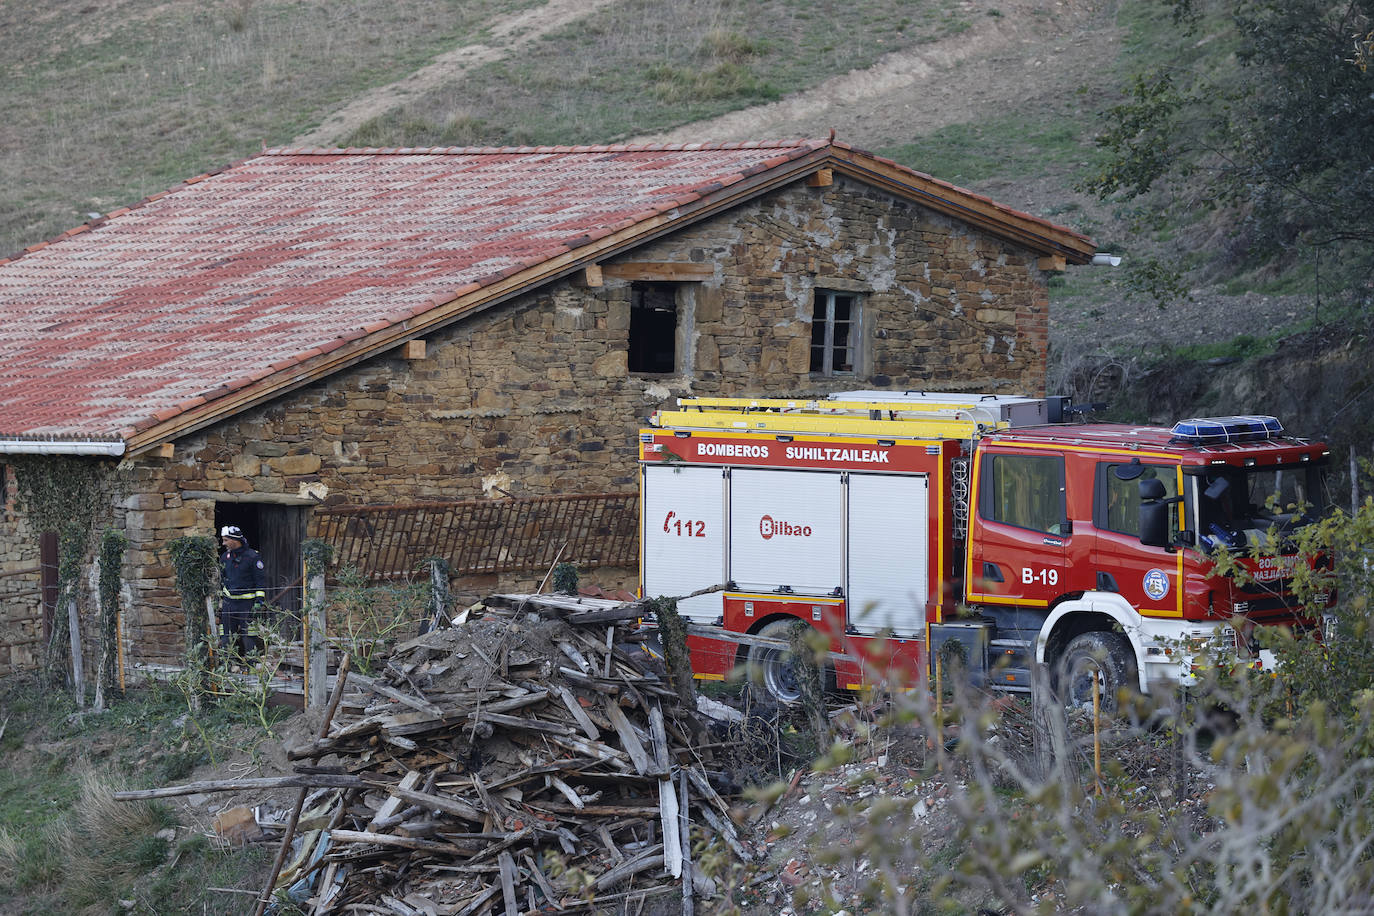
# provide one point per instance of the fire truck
(907, 525)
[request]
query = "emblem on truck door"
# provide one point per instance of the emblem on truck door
(1156, 584)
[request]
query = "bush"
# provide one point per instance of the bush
(1252, 792)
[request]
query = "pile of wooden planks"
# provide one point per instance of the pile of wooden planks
(534, 759)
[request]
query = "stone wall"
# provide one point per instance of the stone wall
(533, 396)
(21, 609)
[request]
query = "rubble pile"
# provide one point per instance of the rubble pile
(534, 759)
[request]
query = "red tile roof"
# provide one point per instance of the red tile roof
(236, 280)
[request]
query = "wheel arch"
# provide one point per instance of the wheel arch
(1093, 612)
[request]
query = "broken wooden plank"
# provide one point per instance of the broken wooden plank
(298, 781)
(388, 839)
(567, 791)
(511, 839)
(685, 835)
(540, 879)
(577, 657)
(668, 820)
(608, 841)
(508, 883)
(480, 901)
(459, 809)
(400, 696)
(628, 739)
(578, 713)
(527, 724)
(393, 802)
(659, 733)
(649, 858)
(494, 809)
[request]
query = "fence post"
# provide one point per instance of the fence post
(78, 675)
(438, 591)
(317, 671)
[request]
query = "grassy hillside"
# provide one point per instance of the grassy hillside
(103, 104)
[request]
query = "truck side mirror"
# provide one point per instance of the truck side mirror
(1154, 513)
(1154, 524)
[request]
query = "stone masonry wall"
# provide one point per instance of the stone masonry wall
(533, 396)
(21, 609)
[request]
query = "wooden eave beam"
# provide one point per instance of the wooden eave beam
(326, 364)
(666, 271)
(1040, 237)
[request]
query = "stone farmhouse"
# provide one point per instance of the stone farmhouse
(305, 336)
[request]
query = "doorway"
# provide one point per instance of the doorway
(275, 532)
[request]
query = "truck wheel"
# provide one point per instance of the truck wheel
(1104, 657)
(776, 669)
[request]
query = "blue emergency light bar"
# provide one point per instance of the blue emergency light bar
(1218, 430)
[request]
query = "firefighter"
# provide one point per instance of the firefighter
(243, 590)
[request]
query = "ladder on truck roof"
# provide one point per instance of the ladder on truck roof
(910, 415)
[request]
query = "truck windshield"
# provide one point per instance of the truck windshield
(1238, 507)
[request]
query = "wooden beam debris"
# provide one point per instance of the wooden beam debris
(471, 754)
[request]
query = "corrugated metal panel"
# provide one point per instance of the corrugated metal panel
(684, 536)
(786, 530)
(888, 553)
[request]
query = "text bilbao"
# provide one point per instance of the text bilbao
(792, 452)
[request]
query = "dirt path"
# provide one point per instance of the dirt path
(1014, 54)
(508, 36)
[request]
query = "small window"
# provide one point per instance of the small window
(653, 328)
(1024, 490)
(834, 324)
(1117, 504)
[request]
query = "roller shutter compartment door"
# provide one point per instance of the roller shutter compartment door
(889, 558)
(785, 530)
(682, 536)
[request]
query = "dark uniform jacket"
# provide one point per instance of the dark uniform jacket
(242, 574)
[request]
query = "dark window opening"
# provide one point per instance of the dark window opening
(833, 325)
(653, 328)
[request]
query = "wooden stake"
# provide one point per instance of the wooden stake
(78, 675)
(266, 896)
(685, 835)
(119, 644)
(317, 668)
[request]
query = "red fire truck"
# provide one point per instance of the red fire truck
(903, 525)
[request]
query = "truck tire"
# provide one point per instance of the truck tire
(776, 669)
(1106, 657)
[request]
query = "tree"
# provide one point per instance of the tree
(1285, 143)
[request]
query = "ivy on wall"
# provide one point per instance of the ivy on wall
(196, 561)
(69, 495)
(112, 546)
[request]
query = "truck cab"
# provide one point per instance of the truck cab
(1112, 529)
